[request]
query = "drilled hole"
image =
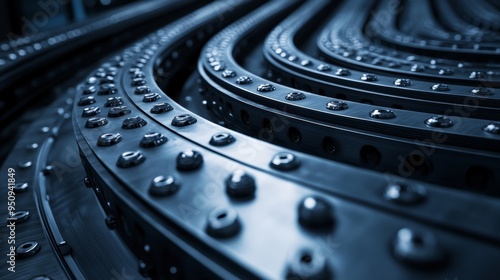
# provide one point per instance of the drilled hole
(370, 156)
(329, 145)
(245, 117)
(478, 177)
(229, 109)
(294, 135)
(416, 164)
(266, 123)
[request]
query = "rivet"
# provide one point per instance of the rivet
(285, 161)
(307, 263)
(481, 91)
(118, 111)
(405, 194)
(183, 120)
(113, 102)
(151, 97)
(47, 170)
(189, 160)
(324, 67)
(90, 111)
(107, 80)
(110, 222)
(153, 139)
(161, 108)
(382, 114)
(265, 88)
(305, 62)
(20, 216)
(223, 222)
(164, 186)
(145, 269)
(493, 128)
(221, 139)
(477, 75)
(89, 90)
(107, 89)
(27, 249)
(21, 187)
(335, 105)
(244, 80)
(32, 147)
(87, 182)
(25, 164)
(240, 185)
(133, 122)
(218, 65)
(64, 248)
(439, 121)
(315, 212)
(342, 72)
(86, 100)
(417, 68)
(91, 81)
(109, 139)
(402, 82)
(138, 82)
(440, 87)
(295, 96)
(130, 159)
(445, 71)
(229, 74)
(417, 248)
(139, 74)
(369, 77)
(142, 90)
(96, 122)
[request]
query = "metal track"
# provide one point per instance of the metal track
(261, 141)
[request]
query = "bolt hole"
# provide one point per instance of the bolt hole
(245, 117)
(478, 177)
(370, 156)
(229, 109)
(266, 123)
(294, 135)
(329, 145)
